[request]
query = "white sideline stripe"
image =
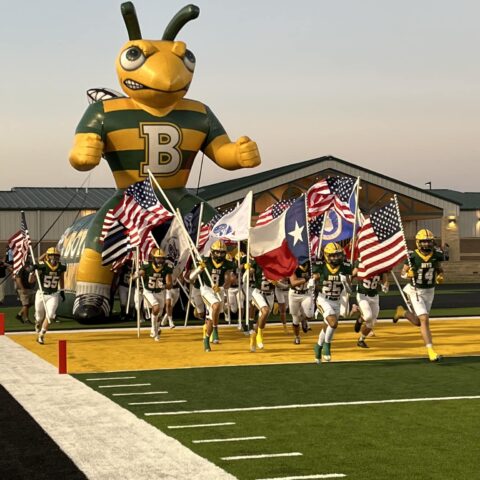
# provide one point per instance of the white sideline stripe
(95, 432)
(99, 379)
(158, 403)
(121, 386)
(233, 439)
(266, 455)
(135, 393)
(315, 405)
(308, 477)
(200, 425)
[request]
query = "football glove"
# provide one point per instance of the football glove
(62, 295)
(216, 288)
(440, 278)
(311, 284)
(247, 266)
(410, 273)
(385, 287)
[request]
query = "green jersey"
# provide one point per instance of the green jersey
(155, 278)
(425, 267)
(50, 277)
(368, 286)
(302, 271)
(217, 271)
(124, 276)
(260, 281)
(331, 286)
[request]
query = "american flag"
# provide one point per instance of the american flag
(273, 211)
(315, 229)
(336, 192)
(129, 224)
(19, 243)
(381, 242)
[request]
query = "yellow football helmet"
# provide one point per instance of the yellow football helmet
(219, 251)
(158, 255)
(334, 254)
(425, 240)
(53, 251)
(52, 256)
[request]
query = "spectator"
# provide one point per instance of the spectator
(25, 291)
(4, 272)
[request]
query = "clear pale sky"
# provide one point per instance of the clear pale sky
(391, 86)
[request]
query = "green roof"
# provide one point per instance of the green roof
(466, 200)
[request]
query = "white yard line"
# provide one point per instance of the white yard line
(137, 393)
(265, 455)
(233, 439)
(127, 385)
(99, 379)
(201, 425)
(308, 477)
(158, 403)
(96, 433)
(315, 405)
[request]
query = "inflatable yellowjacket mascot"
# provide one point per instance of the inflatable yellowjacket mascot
(154, 128)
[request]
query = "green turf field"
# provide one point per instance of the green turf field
(395, 440)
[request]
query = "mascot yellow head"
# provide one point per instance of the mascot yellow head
(156, 73)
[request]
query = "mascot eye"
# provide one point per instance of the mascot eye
(132, 58)
(189, 60)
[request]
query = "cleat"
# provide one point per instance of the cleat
(433, 356)
(259, 339)
(239, 325)
(252, 342)
(171, 324)
(326, 357)
(214, 337)
(40, 340)
(296, 341)
(305, 326)
(358, 324)
(275, 308)
(164, 321)
(157, 338)
(399, 313)
(318, 352)
(152, 334)
(206, 344)
(37, 327)
(362, 344)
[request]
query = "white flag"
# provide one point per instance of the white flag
(234, 225)
(175, 246)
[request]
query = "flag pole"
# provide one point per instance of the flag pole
(247, 293)
(137, 292)
(190, 286)
(407, 303)
(354, 235)
(239, 271)
(405, 243)
(130, 282)
(37, 275)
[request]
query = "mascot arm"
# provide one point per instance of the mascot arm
(88, 144)
(233, 155)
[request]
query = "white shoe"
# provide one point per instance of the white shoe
(164, 321)
(171, 324)
(260, 345)
(326, 358)
(157, 338)
(152, 334)
(297, 341)
(40, 340)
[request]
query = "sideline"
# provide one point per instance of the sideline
(93, 431)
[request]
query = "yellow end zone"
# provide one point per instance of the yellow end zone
(103, 350)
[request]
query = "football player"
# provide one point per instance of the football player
(220, 270)
(300, 299)
(334, 276)
(158, 280)
(368, 303)
(51, 274)
(280, 307)
(261, 299)
(423, 268)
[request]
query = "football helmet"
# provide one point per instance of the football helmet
(334, 254)
(53, 256)
(219, 251)
(158, 256)
(425, 240)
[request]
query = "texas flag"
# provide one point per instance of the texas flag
(281, 245)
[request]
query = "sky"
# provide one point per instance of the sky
(390, 86)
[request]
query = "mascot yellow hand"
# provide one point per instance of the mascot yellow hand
(247, 153)
(86, 152)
